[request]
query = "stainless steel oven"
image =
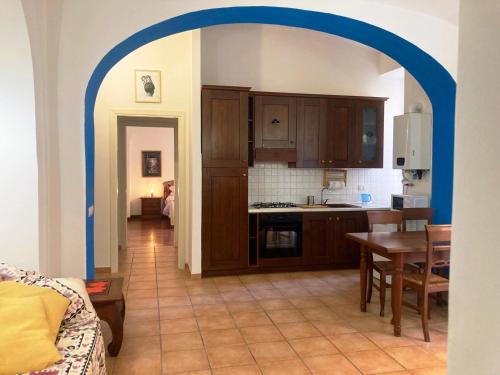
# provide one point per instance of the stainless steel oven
(280, 235)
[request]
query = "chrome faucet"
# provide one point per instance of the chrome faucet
(323, 202)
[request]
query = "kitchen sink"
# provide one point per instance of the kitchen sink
(341, 205)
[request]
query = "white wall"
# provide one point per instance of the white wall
(18, 157)
(474, 326)
(283, 59)
(172, 56)
(147, 139)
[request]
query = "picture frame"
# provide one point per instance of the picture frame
(151, 163)
(147, 86)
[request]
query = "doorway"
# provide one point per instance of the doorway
(131, 183)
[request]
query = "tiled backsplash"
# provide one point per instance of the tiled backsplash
(270, 182)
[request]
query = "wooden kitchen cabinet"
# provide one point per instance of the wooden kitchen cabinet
(346, 252)
(224, 219)
(368, 139)
(318, 238)
(324, 238)
(224, 126)
(275, 121)
(311, 122)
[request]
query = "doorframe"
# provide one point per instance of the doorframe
(182, 169)
(436, 81)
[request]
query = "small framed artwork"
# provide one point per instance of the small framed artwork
(147, 86)
(151, 163)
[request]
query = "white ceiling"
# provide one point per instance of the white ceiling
(445, 9)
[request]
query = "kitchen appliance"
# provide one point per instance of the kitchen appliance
(412, 148)
(273, 205)
(280, 235)
(400, 201)
(310, 200)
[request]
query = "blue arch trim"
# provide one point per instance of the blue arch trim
(432, 76)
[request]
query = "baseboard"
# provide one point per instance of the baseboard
(192, 276)
(102, 269)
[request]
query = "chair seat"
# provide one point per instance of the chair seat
(418, 279)
(387, 267)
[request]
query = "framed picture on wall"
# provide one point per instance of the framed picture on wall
(147, 86)
(151, 163)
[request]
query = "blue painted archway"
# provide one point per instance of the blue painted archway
(432, 76)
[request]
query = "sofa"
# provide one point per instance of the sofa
(79, 340)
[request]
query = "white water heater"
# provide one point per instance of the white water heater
(412, 147)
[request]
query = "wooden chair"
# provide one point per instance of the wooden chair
(384, 267)
(417, 214)
(438, 256)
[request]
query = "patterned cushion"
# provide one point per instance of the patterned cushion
(79, 339)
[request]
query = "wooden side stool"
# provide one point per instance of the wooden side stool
(107, 298)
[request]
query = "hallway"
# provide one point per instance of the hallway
(294, 323)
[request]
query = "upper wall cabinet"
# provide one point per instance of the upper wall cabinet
(224, 126)
(311, 122)
(368, 145)
(275, 121)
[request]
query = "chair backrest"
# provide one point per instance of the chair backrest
(385, 218)
(417, 214)
(438, 248)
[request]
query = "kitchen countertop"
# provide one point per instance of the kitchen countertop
(361, 207)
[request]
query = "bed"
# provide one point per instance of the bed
(169, 200)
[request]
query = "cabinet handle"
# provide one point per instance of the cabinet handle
(338, 218)
(244, 174)
(323, 161)
(360, 161)
(330, 218)
(330, 161)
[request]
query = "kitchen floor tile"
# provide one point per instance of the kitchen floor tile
(298, 330)
(286, 316)
(352, 342)
(414, 357)
(181, 341)
(183, 361)
(373, 362)
(227, 356)
(251, 319)
(313, 346)
(222, 337)
(290, 367)
(335, 364)
(261, 334)
(270, 352)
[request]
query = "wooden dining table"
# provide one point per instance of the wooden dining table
(401, 248)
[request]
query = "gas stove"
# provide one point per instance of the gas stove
(274, 205)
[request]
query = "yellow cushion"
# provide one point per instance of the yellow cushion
(25, 341)
(55, 304)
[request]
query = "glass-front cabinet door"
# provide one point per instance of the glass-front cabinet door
(369, 134)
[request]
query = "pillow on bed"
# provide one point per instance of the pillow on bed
(25, 340)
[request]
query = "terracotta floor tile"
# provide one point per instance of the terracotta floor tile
(183, 325)
(306, 302)
(236, 307)
(352, 342)
(333, 327)
(195, 290)
(222, 337)
(290, 367)
(276, 304)
(251, 319)
(174, 301)
(262, 294)
(181, 341)
(373, 362)
(206, 299)
(207, 323)
(227, 356)
(141, 328)
(270, 352)
(430, 371)
(141, 315)
(215, 309)
(137, 365)
(414, 357)
(172, 292)
(335, 364)
(319, 313)
(238, 370)
(298, 330)
(261, 334)
(176, 312)
(136, 346)
(370, 324)
(388, 340)
(295, 292)
(237, 296)
(313, 346)
(141, 303)
(183, 361)
(286, 316)
(142, 293)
